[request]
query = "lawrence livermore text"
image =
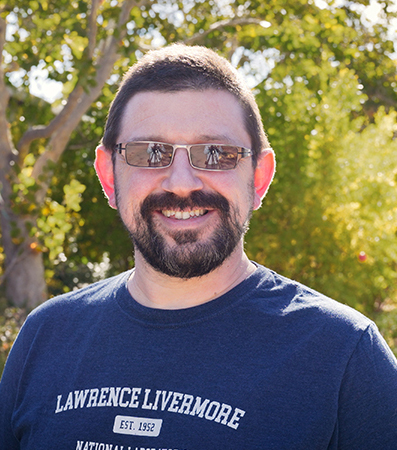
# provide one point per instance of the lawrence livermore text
(146, 399)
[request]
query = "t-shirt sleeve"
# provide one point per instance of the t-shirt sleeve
(9, 385)
(367, 416)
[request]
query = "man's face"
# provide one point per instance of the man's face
(185, 222)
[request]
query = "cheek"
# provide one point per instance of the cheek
(132, 187)
(125, 194)
(239, 189)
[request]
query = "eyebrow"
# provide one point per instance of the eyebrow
(216, 137)
(202, 138)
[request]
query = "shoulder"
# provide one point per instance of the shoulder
(98, 296)
(309, 323)
(278, 296)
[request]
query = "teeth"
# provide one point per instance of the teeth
(183, 215)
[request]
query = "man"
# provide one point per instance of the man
(196, 347)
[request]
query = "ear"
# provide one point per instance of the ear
(104, 169)
(264, 173)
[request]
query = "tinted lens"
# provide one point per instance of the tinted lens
(214, 157)
(148, 154)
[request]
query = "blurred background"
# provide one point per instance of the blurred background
(324, 76)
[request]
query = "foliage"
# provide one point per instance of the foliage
(326, 86)
(338, 234)
(11, 320)
(387, 323)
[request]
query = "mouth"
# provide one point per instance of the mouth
(184, 215)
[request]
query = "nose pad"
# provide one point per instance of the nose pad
(182, 178)
(184, 151)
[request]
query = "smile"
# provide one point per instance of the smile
(184, 215)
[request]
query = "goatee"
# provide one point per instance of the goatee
(189, 257)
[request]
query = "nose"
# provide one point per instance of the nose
(182, 178)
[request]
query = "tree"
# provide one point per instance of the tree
(322, 113)
(339, 234)
(94, 59)
(302, 50)
(89, 37)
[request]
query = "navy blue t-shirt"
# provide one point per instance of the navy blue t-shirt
(269, 365)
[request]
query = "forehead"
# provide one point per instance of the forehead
(184, 117)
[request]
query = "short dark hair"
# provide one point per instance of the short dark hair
(179, 67)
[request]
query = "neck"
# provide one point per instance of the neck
(156, 290)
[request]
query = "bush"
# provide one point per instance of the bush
(11, 321)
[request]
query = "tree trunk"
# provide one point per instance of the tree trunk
(24, 267)
(25, 285)
(24, 275)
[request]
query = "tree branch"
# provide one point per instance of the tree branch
(5, 138)
(92, 27)
(77, 97)
(3, 27)
(241, 21)
(60, 135)
(377, 94)
(126, 10)
(11, 265)
(41, 131)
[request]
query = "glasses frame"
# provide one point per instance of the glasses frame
(242, 153)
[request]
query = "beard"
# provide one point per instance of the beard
(190, 256)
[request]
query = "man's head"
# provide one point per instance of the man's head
(179, 68)
(184, 217)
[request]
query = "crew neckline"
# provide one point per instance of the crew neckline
(185, 316)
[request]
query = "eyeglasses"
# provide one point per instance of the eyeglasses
(201, 156)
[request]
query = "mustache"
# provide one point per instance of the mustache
(197, 199)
